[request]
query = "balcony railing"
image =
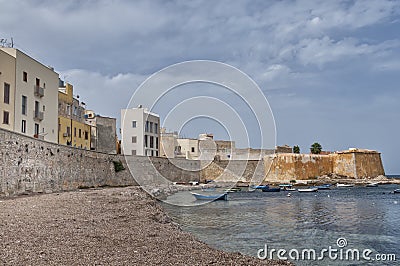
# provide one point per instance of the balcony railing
(38, 115)
(39, 91)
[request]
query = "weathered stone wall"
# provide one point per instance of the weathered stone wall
(31, 165)
(289, 166)
(368, 165)
(344, 164)
(233, 171)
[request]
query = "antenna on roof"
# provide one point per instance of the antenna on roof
(6, 44)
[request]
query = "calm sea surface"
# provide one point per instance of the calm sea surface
(367, 218)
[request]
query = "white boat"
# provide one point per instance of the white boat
(375, 184)
(344, 185)
(312, 189)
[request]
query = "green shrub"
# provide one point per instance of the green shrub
(118, 166)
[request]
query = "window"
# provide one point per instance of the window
(80, 133)
(74, 131)
(68, 109)
(146, 127)
(6, 117)
(24, 101)
(36, 108)
(37, 82)
(157, 153)
(25, 76)
(68, 131)
(86, 135)
(134, 139)
(145, 141)
(36, 129)
(152, 153)
(6, 93)
(23, 126)
(156, 128)
(133, 152)
(192, 149)
(134, 124)
(157, 143)
(44, 108)
(151, 127)
(151, 142)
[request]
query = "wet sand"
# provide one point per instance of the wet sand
(112, 226)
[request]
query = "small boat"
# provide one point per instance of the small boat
(372, 184)
(287, 187)
(223, 196)
(396, 190)
(344, 185)
(323, 187)
(259, 187)
(311, 189)
(271, 189)
(233, 189)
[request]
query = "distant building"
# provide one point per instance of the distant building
(29, 99)
(283, 149)
(169, 146)
(72, 130)
(103, 132)
(140, 132)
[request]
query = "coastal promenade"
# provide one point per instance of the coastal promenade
(110, 226)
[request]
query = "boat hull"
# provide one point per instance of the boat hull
(305, 190)
(270, 189)
(223, 196)
(344, 185)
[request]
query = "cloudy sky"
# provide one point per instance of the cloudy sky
(329, 69)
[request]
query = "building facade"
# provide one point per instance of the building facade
(103, 132)
(72, 129)
(140, 132)
(30, 95)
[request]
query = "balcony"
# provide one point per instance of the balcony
(38, 91)
(38, 116)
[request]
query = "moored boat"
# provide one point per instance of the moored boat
(233, 189)
(323, 187)
(271, 189)
(198, 196)
(396, 190)
(311, 189)
(259, 187)
(287, 187)
(344, 185)
(375, 184)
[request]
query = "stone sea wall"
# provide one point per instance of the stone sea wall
(30, 165)
(289, 166)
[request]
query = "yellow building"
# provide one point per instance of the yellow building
(72, 129)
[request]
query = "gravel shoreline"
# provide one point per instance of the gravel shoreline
(111, 226)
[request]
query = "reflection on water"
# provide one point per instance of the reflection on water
(366, 217)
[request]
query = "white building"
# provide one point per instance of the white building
(140, 132)
(30, 89)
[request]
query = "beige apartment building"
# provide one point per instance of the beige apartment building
(33, 95)
(7, 90)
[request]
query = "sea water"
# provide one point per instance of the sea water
(356, 218)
